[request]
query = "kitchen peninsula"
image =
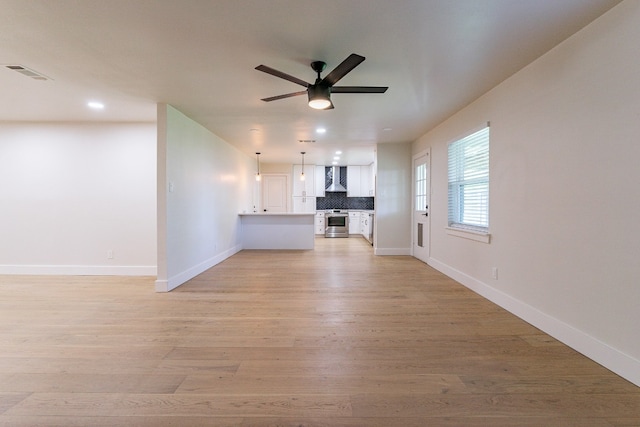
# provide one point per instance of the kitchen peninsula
(277, 230)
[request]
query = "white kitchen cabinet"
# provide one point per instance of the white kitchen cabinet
(304, 188)
(319, 223)
(353, 181)
(319, 181)
(364, 181)
(367, 181)
(360, 181)
(304, 204)
(366, 225)
(354, 223)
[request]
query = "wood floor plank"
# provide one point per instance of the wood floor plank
(301, 385)
(330, 337)
(73, 351)
(92, 383)
(8, 400)
(98, 366)
(189, 367)
(471, 421)
(202, 405)
(496, 405)
(556, 384)
(119, 421)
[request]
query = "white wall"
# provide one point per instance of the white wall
(203, 183)
(69, 193)
(563, 192)
(393, 200)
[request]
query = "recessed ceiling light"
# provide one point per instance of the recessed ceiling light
(321, 130)
(95, 105)
(338, 152)
(334, 163)
(336, 158)
(386, 129)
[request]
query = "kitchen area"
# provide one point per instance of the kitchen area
(341, 212)
(343, 198)
(336, 202)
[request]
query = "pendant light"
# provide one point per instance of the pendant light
(258, 177)
(302, 174)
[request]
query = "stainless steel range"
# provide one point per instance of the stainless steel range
(337, 223)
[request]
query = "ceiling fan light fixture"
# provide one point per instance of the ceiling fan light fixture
(319, 93)
(319, 97)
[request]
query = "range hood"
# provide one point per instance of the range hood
(333, 180)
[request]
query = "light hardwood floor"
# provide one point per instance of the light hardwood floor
(331, 337)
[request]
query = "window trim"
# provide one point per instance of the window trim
(467, 233)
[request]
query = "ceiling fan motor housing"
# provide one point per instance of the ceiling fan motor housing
(318, 66)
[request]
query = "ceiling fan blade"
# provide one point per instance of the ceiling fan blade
(359, 89)
(282, 75)
(287, 95)
(341, 70)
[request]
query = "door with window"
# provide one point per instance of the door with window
(421, 195)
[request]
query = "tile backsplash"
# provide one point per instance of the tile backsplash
(341, 201)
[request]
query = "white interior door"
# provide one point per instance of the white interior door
(421, 200)
(274, 193)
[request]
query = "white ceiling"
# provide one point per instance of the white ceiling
(436, 56)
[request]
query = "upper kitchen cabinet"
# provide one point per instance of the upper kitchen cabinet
(360, 181)
(368, 180)
(353, 181)
(320, 181)
(306, 188)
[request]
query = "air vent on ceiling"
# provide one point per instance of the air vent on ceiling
(306, 140)
(28, 72)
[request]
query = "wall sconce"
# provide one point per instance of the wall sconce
(302, 174)
(258, 177)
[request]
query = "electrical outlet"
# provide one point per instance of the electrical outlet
(494, 273)
(110, 254)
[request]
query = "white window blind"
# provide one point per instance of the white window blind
(469, 182)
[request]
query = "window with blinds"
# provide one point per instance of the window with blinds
(469, 182)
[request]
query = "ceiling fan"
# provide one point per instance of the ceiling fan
(320, 92)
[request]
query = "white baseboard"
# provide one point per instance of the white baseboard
(392, 251)
(609, 357)
(80, 270)
(188, 274)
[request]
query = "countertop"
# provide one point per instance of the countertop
(348, 210)
(275, 213)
